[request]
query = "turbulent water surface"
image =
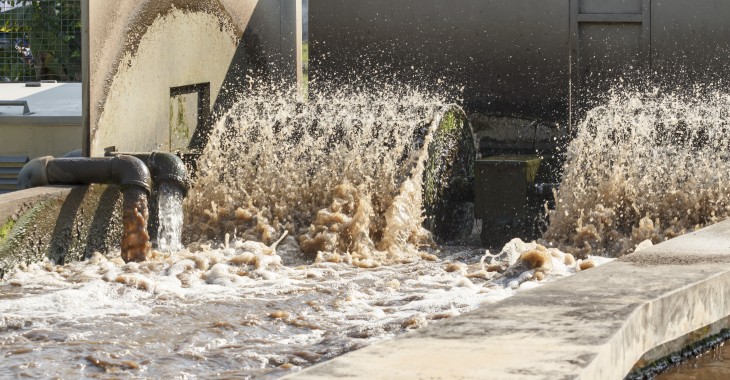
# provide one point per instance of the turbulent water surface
(230, 312)
(304, 240)
(644, 166)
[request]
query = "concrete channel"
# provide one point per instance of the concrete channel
(598, 324)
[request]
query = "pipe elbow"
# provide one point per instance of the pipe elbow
(167, 167)
(128, 171)
(33, 174)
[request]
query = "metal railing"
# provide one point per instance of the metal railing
(40, 40)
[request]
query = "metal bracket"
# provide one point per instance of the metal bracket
(19, 103)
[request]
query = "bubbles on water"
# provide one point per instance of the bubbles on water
(239, 306)
(342, 173)
(170, 211)
(643, 166)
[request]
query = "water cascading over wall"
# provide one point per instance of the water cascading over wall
(643, 166)
(344, 174)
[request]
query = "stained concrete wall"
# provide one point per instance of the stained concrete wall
(60, 223)
(532, 59)
(148, 58)
(510, 56)
(691, 41)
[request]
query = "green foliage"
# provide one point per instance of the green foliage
(53, 30)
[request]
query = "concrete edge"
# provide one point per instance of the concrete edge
(62, 224)
(597, 324)
(74, 121)
(11, 203)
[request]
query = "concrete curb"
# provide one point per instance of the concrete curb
(10, 203)
(595, 325)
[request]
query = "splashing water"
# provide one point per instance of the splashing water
(236, 310)
(281, 183)
(170, 211)
(643, 167)
(342, 173)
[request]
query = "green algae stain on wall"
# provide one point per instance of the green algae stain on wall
(5, 230)
(448, 176)
(21, 240)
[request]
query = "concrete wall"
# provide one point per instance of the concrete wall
(510, 56)
(691, 41)
(54, 126)
(514, 58)
(533, 59)
(149, 61)
(61, 223)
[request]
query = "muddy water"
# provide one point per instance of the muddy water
(713, 365)
(644, 166)
(303, 239)
(342, 174)
(237, 311)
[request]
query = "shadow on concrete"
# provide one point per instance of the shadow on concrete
(253, 64)
(103, 229)
(65, 227)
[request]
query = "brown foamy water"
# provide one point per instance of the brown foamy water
(643, 166)
(305, 241)
(342, 174)
(239, 310)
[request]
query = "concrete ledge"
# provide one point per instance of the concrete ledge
(12, 202)
(595, 325)
(59, 223)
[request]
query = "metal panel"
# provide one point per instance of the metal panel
(608, 53)
(510, 57)
(610, 46)
(523, 57)
(611, 6)
(691, 42)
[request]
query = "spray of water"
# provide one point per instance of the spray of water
(643, 166)
(169, 233)
(342, 173)
(339, 178)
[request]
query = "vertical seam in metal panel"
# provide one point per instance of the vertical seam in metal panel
(647, 37)
(573, 7)
(282, 38)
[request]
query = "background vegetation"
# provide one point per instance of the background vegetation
(50, 30)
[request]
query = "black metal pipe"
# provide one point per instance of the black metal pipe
(164, 168)
(125, 171)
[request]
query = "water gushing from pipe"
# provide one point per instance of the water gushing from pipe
(135, 238)
(169, 203)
